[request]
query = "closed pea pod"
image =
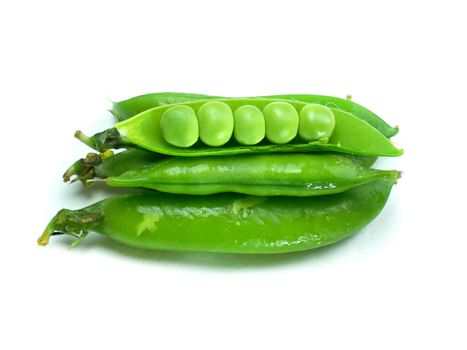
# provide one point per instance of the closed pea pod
(249, 125)
(126, 109)
(229, 223)
(113, 165)
(300, 175)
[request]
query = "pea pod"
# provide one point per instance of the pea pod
(230, 223)
(297, 174)
(350, 135)
(105, 165)
(128, 108)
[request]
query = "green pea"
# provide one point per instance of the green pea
(179, 126)
(281, 122)
(216, 123)
(316, 122)
(249, 125)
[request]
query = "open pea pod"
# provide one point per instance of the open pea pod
(126, 109)
(349, 134)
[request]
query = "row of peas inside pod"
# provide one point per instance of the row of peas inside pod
(214, 123)
(266, 174)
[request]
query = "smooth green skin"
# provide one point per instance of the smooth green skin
(93, 166)
(230, 223)
(126, 109)
(316, 122)
(281, 122)
(179, 126)
(351, 135)
(249, 125)
(216, 123)
(296, 174)
(365, 162)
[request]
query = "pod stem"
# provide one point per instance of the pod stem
(85, 139)
(102, 141)
(84, 169)
(74, 171)
(49, 231)
(76, 223)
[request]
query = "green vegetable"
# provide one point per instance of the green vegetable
(259, 174)
(249, 125)
(285, 173)
(105, 165)
(351, 135)
(126, 109)
(179, 126)
(230, 223)
(281, 122)
(215, 123)
(316, 122)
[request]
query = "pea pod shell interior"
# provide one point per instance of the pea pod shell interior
(351, 135)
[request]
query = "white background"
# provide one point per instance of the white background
(400, 283)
